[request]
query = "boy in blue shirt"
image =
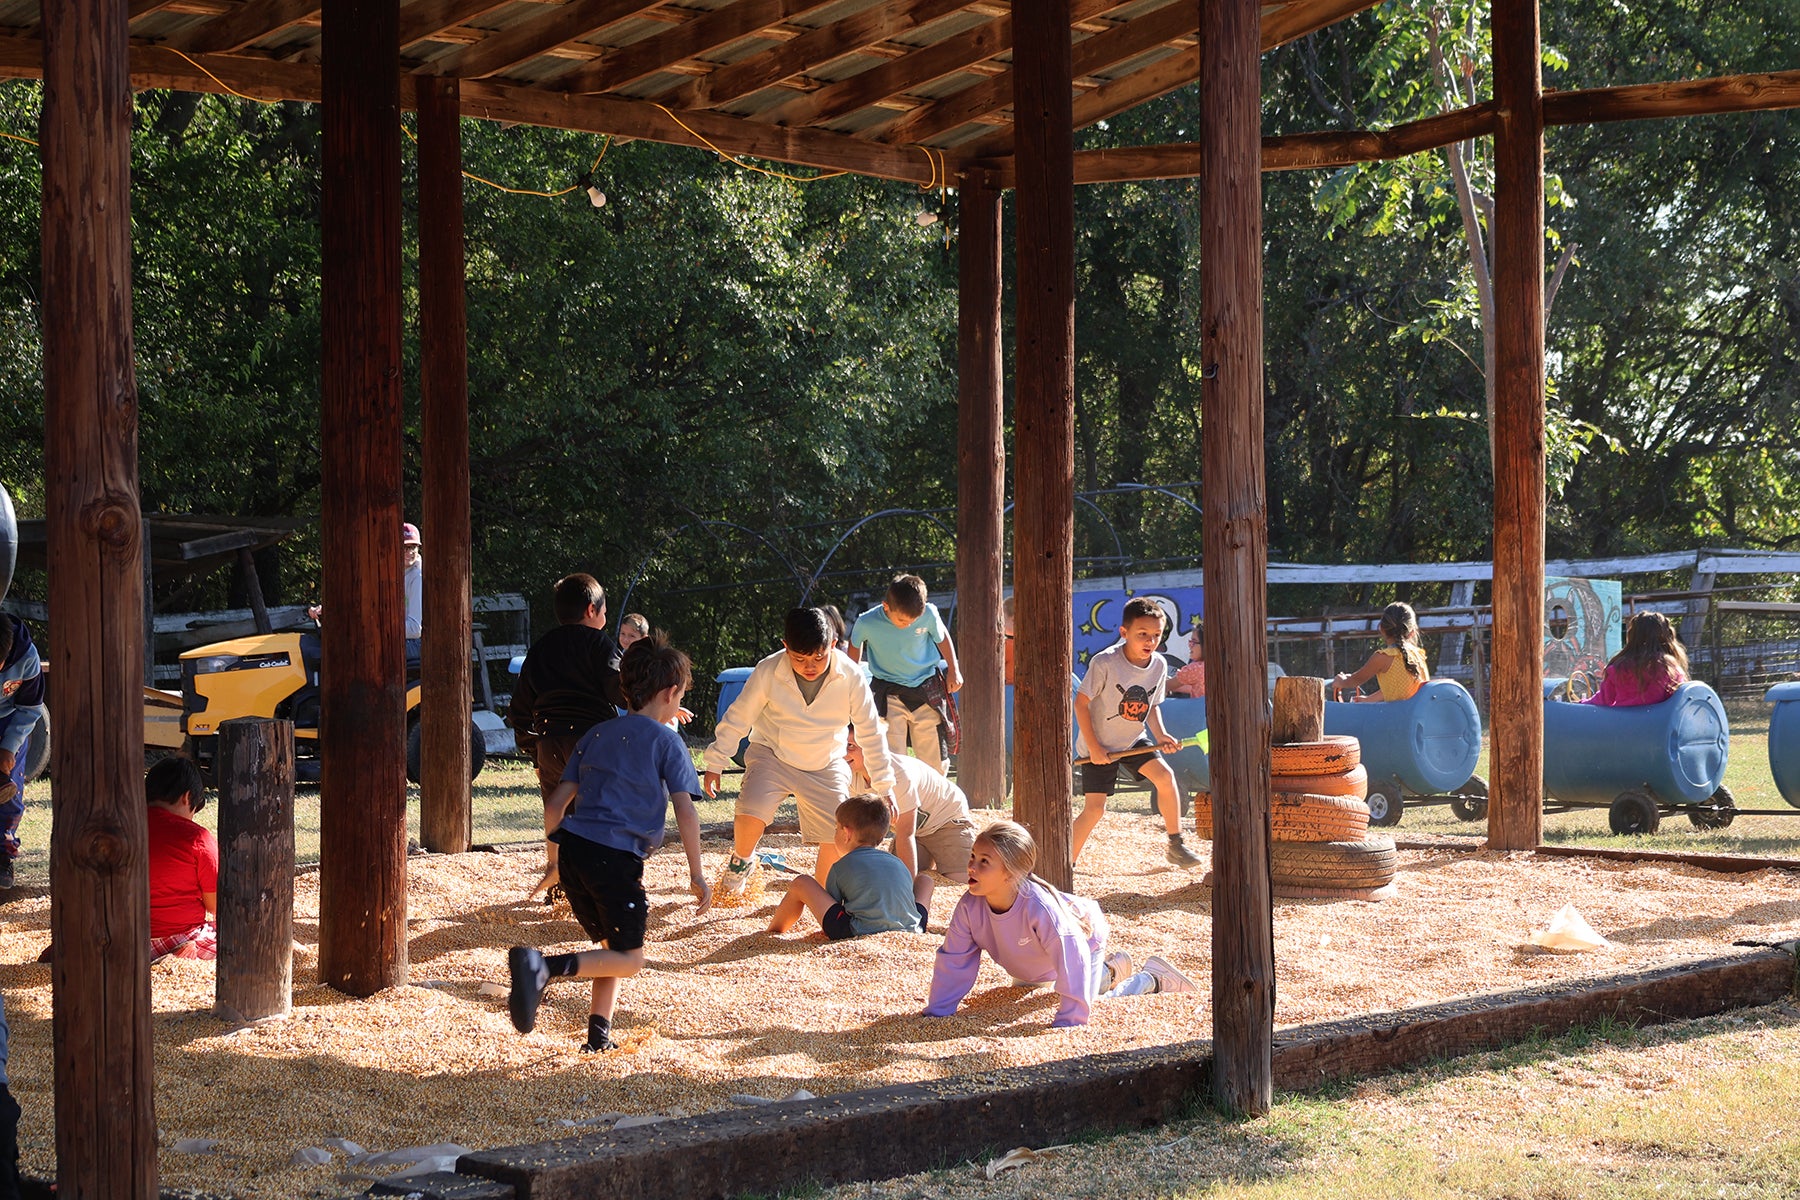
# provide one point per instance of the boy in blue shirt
(21, 706)
(868, 889)
(622, 778)
(902, 641)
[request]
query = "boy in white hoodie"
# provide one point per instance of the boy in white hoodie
(795, 708)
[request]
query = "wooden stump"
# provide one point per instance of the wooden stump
(1299, 709)
(255, 976)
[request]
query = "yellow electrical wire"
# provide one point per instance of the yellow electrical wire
(748, 166)
(501, 187)
(219, 81)
(15, 137)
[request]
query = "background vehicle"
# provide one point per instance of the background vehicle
(277, 675)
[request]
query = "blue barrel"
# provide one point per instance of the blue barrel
(1676, 749)
(1183, 717)
(731, 682)
(1784, 740)
(1428, 743)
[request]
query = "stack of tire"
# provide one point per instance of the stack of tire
(1320, 845)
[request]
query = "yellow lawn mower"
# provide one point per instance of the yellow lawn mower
(277, 675)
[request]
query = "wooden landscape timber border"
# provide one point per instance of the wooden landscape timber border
(884, 1132)
(1724, 864)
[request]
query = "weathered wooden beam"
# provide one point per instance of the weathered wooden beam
(362, 789)
(447, 678)
(980, 493)
(100, 889)
(1516, 800)
(1044, 436)
(1294, 21)
(1235, 537)
(628, 64)
(1725, 864)
(1690, 98)
(427, 18)
(249, 22)
(531, 37)
(254, 977)
(735, 135)
(810, 51)
(1096, 53)
(880, 1133)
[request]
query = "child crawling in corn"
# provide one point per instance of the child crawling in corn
(621, 778)
(1037, 934)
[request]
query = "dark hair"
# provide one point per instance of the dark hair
(866, 817)
(907, 593)
(651, 666)
(1650, 641)
(1197, 631)
(806, 631)
(575, 594)
(1399, 623)
(169, 779)
(835, 619)
(1139, 607)
(8, 635)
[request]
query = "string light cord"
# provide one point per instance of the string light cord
(16, 138)
(738, 162)
(513, 191)
(217, 80)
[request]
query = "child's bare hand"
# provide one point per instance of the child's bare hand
(683, 716)
(551, 877)
(1099, 756)
(1168, 745)
(703, 893)
(709, 783)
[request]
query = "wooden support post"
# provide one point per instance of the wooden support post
(1236, 546)
(980, 495)
(447, 683)
(259, 609)
(1515, 807)
(1299, 709)
(362, 731)
(1044, 433)
(100, 901)
(255, 771)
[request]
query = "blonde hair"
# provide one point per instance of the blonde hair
(1013, 843)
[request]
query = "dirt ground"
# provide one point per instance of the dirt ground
(724, 1009)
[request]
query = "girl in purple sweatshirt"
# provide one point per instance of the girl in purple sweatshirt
(1037, 934)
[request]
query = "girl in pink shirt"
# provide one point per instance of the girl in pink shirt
(1037, 934)
(1650, 667)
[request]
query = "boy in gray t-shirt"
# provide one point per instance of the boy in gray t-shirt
(1116, 711)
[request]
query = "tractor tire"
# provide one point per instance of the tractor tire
(415, 751)
(1328, 756)
(1363, 865)
(1373, 895)
(37, 749)
(1354, 782)
(1298, 817)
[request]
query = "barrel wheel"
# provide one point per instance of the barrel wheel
(1716, 813)
(1332, 755)
(1471, 800)
(1633, 812)
(1366, 864)
(1385, 804)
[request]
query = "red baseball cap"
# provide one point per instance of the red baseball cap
(409, 534)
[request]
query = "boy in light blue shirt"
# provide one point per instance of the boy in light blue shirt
(902, 641)
(868, 889)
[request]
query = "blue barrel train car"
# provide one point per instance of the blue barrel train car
(1784, 740)
(1427, 745)
(1642, 762)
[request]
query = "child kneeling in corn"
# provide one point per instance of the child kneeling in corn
(1036, 933)
(622, 777)
(867, 890)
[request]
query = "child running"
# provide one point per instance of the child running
(622, 778)
(1117, 713)
(868, 889)
(1648, 669)
(1037, 934)
(795, 708)
(1399, 666)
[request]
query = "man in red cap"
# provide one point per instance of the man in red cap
(413, 580)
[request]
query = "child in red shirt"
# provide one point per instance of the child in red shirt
(184, 864)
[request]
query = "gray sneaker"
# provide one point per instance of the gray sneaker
(1180, 856)
(1168, 979)
(7, 878)
(1118, 970)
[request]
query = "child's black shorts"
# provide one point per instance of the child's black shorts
(605, 888)
(838, 925)
(1104, 777)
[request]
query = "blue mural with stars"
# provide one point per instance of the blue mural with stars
(1098, 615)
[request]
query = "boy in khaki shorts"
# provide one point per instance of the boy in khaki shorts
(794, 708)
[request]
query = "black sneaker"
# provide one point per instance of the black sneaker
(529, 979)
(6, 872)
(599, 1047)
